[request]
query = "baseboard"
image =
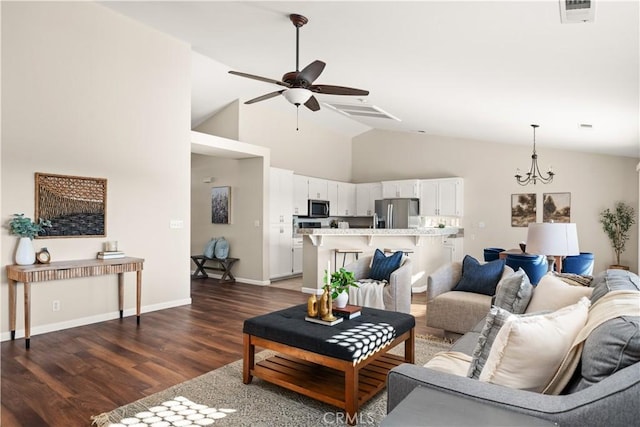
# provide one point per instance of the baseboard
(73, 323)
(240, 279)
(312, 291)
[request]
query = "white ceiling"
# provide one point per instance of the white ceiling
(478, 70)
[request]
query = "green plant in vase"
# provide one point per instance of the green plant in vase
(617, 224)
(26, 230)
(24, 227)
(339, 284)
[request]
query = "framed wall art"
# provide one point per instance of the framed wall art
(220, 205)
(76, 206)
(556, 207)
(523, 209)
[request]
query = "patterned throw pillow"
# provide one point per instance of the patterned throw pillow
(480, 278)
(514, 292)
(574, 279)
(382, 266)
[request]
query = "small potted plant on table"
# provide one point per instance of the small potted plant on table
(26, 230)
(616, 224)
(341, 280)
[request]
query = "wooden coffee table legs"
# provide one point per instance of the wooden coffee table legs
(338, 382)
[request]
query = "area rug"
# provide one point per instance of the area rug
(220, 398)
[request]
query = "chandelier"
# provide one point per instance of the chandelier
(534, 174)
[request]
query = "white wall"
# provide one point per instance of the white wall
(312, 150)
(245, 177)
(88, 92)
(594, 181)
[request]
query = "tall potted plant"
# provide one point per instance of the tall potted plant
(26, 230)
(616, 224)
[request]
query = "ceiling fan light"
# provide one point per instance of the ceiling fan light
(297, 96)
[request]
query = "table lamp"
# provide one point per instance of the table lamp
(553, 239)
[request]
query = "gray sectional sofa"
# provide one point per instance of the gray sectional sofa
(604, 389)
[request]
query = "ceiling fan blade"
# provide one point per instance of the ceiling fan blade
(263, 97)
(312, 104)
(262, 79)
(311, 71)
(337, 90)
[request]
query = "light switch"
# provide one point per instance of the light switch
(256, 223)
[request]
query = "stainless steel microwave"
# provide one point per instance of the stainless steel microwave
(318, 209)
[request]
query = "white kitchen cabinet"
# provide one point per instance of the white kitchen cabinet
(366, 195)
(300, 194)
(297, 258)
(346, 199)
(280, 250)
(453, 249)
(332, 197)
(406, 188)
(318, 188)
(280, 196)
(443, 197)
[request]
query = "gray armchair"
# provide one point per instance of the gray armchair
(454, 311)
(397, 293)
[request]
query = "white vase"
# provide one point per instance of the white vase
(26, 253)
(341, 300)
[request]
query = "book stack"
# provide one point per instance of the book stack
(348, 311)
(323, 322)
(110, 254)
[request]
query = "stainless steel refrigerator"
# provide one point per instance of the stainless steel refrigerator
(397, 213)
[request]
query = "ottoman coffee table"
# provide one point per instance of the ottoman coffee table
(343, 365)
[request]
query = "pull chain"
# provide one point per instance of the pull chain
(297, 116)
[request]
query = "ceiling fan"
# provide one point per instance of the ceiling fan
(298, 85)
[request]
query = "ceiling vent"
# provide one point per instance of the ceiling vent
(370, 111)
(574, 11)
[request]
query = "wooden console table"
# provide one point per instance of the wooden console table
(68, 270)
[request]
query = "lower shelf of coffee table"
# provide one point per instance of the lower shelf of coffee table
(323, 383)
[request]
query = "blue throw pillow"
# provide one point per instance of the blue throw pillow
(382, 266)
(480, 278)
(222, 248)
(209, 248)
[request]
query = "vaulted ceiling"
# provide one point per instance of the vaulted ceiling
(482, 70)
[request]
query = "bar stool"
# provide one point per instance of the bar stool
(404, 251)
(344, 253)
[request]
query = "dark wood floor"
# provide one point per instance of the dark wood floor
(68, 376)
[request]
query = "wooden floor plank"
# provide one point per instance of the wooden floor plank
(68, 376)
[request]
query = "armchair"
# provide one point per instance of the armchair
(397, 293)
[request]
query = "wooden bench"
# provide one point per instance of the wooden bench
(223, 265)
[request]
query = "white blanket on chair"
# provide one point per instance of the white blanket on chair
(369, 293)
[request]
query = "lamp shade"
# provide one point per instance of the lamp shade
(297, 96)
(555, 239)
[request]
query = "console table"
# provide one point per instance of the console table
(68, 270)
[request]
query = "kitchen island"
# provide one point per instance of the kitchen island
(426, 246)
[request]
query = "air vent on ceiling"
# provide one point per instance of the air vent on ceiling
(572, 11)
(370, 111)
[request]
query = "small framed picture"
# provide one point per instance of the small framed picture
(556, 207)
(220, 205)
(523, 209)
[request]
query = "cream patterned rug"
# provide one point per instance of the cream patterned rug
(220, 398)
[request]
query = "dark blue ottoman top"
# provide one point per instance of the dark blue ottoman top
(353, 339)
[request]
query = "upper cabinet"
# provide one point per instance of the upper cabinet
(332, 197)
(300, 194)
(366, 195)
(280, 195)
(406, 188)
(346, 200)
(442, 197)
(318, 188)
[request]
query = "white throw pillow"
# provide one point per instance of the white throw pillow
(553, 293)
(451, 362)
(528, 350)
